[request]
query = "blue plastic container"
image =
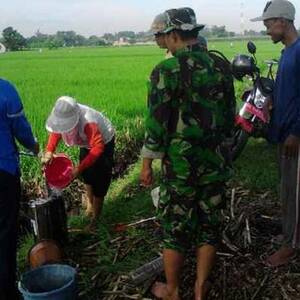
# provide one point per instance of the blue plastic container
(50, 282)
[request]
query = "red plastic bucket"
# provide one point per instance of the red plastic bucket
(58, 172)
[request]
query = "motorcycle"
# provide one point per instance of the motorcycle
(254, 115)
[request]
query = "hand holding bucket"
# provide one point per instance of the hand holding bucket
(58, 172)
(46, 157)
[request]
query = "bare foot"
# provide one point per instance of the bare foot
(201, 292)
(160, 291)
(92, 226)
(280, 257)
(88, 212)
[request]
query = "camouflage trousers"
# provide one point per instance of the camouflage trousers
(190, 215)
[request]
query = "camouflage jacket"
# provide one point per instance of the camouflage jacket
(188, 117)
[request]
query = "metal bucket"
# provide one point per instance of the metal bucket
(49, 218)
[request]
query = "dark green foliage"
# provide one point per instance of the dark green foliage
(13, 40)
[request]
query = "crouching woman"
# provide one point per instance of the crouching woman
(80, 125)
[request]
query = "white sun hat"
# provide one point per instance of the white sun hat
(64, 115)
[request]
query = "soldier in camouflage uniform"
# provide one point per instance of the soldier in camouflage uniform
(188, 118)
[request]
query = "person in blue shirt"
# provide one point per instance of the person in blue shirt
(278, 17)
(13, 127)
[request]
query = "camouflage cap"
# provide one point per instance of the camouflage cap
(159, 24)
(182, 19)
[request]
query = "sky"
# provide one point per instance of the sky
(96, 17)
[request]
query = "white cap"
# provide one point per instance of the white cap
(277, 9)
(64, 116)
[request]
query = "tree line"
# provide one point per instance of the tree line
(14, 41)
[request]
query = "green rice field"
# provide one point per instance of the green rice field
(112, 80)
